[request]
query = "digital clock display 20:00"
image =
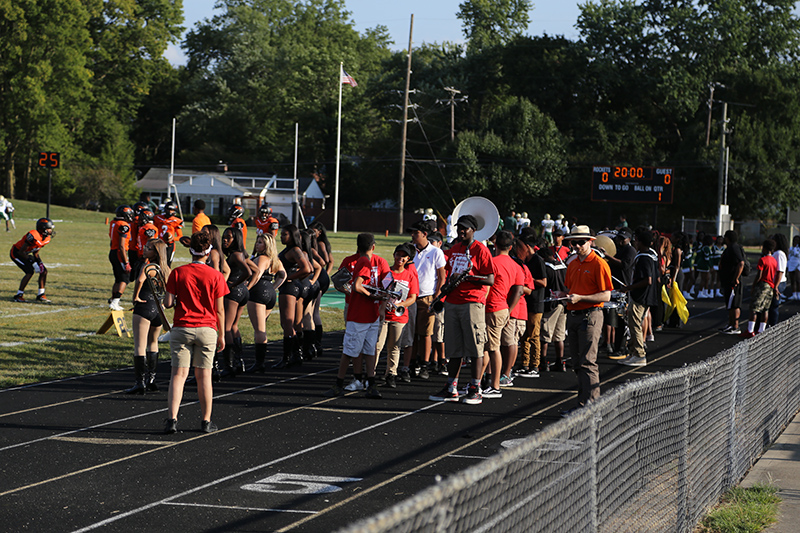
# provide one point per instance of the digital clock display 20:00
(632, 184)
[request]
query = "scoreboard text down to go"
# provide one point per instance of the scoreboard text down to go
(652, 185)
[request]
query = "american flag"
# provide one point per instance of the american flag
(348, 79)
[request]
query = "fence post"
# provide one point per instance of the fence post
(683, 461)
(594, 526)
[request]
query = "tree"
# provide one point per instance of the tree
(516, 156)
(491, 23)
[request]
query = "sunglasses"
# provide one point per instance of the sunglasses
(577, 242)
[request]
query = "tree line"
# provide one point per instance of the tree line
(88, 78)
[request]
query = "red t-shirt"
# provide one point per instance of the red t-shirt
(407, 282)
(521, 310)
(506, 274)
(458, 261)
(360, 308)
(349, 263)
(768, 266)
(560, 252)
(197, 287)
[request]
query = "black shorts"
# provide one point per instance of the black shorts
(239, 293)
(324, 282)
(25, 263)
(733, 297)
(120, 276)
(291, 288)
(264, 293)
(305, 289)
(148, 311)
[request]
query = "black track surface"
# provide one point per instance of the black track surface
(78, 454)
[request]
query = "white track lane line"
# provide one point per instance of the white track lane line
(254, 469)
(235, 508)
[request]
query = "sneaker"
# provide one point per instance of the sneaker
(43, 299)
(617, 356)
(473, 396)
(747, 334)
(334, 391)
(634, 361)
(650, 338)
(207, 426)
(170, 426)
(506, 381)
(424, 373)
(687, 296)
(373, 392)
(445, 395)
(489, 392)
(356, 384)
(18, 298)
(404, 375)
(719, 293)
(609, 349)
(114, 305)
(391, 381)
(443, 368)
(524, 372)
(736, 331)
(726, 329)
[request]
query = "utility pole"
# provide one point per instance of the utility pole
(402, 187)
(452, 103)
(723, 213)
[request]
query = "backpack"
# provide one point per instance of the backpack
(747, 267)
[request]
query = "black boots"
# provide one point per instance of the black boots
(287, 353)
(318, 340)
(138, 369)
(261, 355)
(309, 346)
(237, 361)
(150, 379)
(216, 370)
(297, 351)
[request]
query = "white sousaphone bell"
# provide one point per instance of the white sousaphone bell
(484, 212)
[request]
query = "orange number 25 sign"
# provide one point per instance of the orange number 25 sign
(49, 159)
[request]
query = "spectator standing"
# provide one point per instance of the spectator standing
(731, 270)
(781, 256)
(764, 290)
(643, 294)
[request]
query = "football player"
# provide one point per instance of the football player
(170, 228)
(145, 230)
(25, 254)
(120, 233)
(265, 222)
(235, 215)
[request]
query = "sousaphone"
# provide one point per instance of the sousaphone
(484, 212)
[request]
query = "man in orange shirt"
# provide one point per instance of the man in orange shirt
(588, 284)
(201, 220)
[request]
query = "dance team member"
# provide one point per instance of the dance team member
(197, 292)
(146, 320)
(263, 296)
(290, 294)
(25, 254)
(216, 258)
(244, 274)
(326, 252)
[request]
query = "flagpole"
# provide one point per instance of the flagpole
(338, 150)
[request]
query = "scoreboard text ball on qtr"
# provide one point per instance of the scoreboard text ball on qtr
(651, 185)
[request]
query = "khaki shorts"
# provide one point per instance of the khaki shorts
(495, 323)
(438, 328)
(360, 338)
(425, 317)
(193, 347)
(464, 330)
(554, 325)
(513, 332)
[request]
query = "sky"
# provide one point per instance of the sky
(434, 20)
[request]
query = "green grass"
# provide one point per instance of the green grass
(743, 511)
(42, 342)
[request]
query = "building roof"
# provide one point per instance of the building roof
(225, 183)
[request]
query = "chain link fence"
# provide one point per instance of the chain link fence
(651, 455)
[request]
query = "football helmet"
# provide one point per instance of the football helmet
(169, 209)
(44, 226)
(138, 206)
(125, 212)
(236, 211)
(145, 216)
(264, 211)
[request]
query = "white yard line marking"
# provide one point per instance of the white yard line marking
(128, 442)
(52, 311)
(236, 508)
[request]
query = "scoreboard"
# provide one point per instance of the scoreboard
(644, 185)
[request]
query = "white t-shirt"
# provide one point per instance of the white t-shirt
(428, 261)
(794, 259)
(780, 257)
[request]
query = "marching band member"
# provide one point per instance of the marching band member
(120, 233)
(465, 315)
(25, 254)
(643, 291)
(146, 320)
